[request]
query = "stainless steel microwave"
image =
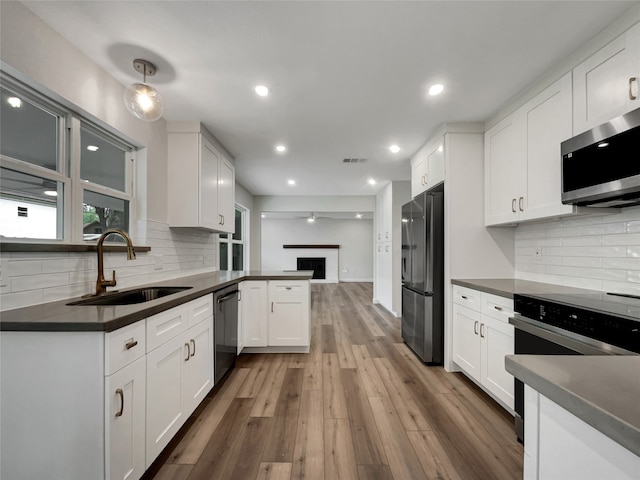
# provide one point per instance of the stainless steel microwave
(601, 167)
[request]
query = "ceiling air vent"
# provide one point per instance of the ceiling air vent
(354, 160)
(23, 212)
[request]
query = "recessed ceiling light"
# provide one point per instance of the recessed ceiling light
(263, 215)
(15, 102)
(440, 148)
(281, 148)
(436, 89)
(262, 90)
(358, 215)
(372, 181)
(394, 148)
(291, 182)
(51, 193)
(92, 148)
(311, 219)
(603, 144)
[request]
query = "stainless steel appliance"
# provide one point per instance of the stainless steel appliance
(583, 323)
(225, 334)
(423, 275)
(600, 167)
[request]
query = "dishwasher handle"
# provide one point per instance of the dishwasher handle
(227, 296)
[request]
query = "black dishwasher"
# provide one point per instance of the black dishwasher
(225, 335)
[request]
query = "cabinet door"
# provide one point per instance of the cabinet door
(435, 165)
(466, 340)
(602, 85)
(548, 119)
(253, 309)
(384, 268)
(497, 341)
(165, 402)
(419, 173)
(289, 314)
(209, 174)
(125, 404)
(505, 170)
(226, 196)
(384, 214)
(198, 377)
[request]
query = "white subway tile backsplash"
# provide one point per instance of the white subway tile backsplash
(600, 252)
(32, 278)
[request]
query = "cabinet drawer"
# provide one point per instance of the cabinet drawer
(283, 290)
(123, 346)
(199, 309)
(467, 297)
(166, 325)
(497, 307)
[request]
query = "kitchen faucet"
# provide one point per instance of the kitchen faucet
(101, 283)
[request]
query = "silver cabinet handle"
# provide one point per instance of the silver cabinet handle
(520, 204)
(188, 352)
(193, 342)
(120, 393)
(463, 297)
(482, 330)
(386, 248)
(271, 307)
(513, 205)
(288, 288)
(631, 81)
(475, 327)
(497, 308)
(130, 344)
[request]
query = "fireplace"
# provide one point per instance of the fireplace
(317, 264)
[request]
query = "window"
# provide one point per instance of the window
(62, 177)
(232, 251)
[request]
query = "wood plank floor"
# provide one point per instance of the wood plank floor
(360, 405)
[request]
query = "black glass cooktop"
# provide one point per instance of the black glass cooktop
(612, 319)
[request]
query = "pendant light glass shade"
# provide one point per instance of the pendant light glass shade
(142, 100)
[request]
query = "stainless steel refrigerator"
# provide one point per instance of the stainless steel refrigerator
(423, 275)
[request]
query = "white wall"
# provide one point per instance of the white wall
(39, 56)
(598, 252)
(355, 238)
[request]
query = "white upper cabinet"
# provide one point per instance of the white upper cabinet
(384, 215)
(201, 187)
(427, 167)
(523, 161)
(605, 85)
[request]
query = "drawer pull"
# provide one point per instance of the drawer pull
(120, 393)
(188, 352)
(475, 327)
(464, 297)
(288, 288)
(497, 308)
(129, 345)
(192, 341)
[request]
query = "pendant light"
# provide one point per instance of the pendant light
(142, 100)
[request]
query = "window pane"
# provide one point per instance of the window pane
(101, 161)
(100, 212)
(27, 132)
(224, 255)
(30, 207)
(237, 256)
(238, 233)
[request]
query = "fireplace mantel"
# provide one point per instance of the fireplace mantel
(310, 246)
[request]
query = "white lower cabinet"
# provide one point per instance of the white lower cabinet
(253, 312)
(179, 375)
(275, 313)
(125, 403)
(482, 337)
(289, 313)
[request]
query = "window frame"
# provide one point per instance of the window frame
(230, 241)
(68, 167)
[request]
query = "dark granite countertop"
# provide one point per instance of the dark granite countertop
(58, 316)
(507, 287)
(602, 391)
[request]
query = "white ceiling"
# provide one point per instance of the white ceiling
(317, 215)
(348, 79)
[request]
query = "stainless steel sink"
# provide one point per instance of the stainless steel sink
(130, 297)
